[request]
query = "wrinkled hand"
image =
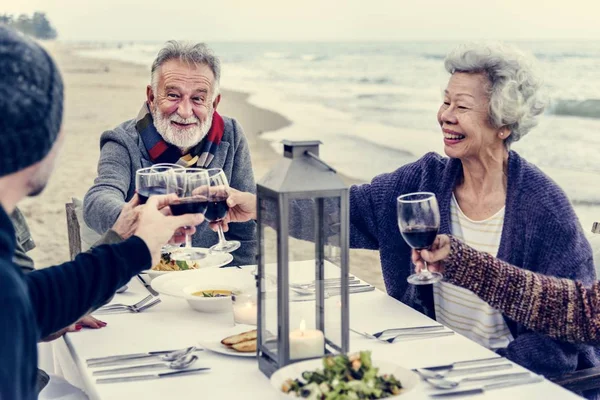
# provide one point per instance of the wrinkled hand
(156, 229)
(242, 208)
(88, 321)
(434, 256)
(126, 224)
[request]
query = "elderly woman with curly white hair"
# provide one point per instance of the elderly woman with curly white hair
(489, 197)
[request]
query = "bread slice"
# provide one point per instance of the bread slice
(249, 346)
(240, 337)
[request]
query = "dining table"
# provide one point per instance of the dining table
(172, 324)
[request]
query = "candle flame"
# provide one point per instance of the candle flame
(302, 326)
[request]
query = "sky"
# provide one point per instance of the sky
(317, 20)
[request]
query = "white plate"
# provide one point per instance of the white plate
(407, 378)
(215, 345)
(210, 261)
(173, 284)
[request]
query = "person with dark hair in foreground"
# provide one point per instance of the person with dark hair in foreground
(44, 301)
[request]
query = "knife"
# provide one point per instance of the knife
(424, 373)
(135, 356)
(147, 286)
(499, 385)
(351, 290)
(150, 376)
(466, 363)
(132, 369)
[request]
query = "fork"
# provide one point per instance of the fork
(414, 334)
(133, 308)
(424, 328)
(120, 305)
(326, 282)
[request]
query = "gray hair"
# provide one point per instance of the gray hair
(193, 54)
(515, 98)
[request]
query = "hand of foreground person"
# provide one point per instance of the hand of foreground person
(88, 322)
(155, 228)
(127, 222)
(242, 208)
(435, 255)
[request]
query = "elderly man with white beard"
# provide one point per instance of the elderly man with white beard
(178, 123)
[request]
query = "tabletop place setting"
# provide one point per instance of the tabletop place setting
(289, 320)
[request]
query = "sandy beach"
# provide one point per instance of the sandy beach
(99, 95)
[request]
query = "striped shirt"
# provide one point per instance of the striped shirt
(461, 309)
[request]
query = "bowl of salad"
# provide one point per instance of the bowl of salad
(347, 377)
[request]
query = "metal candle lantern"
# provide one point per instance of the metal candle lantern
(302, 215)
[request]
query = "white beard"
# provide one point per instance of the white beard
(182, 138)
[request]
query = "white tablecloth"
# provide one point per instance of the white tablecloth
(172, 325)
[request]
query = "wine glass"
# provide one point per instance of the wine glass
(191, 185)
(217, 209)
(152, 180)
(419, 221)
(166, 166)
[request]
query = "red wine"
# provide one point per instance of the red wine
(419, 237)
(189, 206)
(217, 209)
(146, 192)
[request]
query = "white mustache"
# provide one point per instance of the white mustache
(184, 121)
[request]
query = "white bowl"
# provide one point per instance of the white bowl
(208, 304)
(408, 379)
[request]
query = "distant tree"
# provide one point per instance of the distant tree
(6, 19)
(41, 26)
(37, 25)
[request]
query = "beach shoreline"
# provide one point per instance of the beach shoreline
(100, 94)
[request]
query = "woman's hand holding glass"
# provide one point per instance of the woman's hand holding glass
(434, 256)
(419, 221)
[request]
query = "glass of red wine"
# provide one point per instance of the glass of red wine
(217, 209)
(419, 221)
(153, 180)
(191, 185)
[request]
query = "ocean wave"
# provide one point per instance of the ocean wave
(275, 55)
(584, 202)
(313, 57)
(589, 108)
(434, 56)
(378, 81)
(562, 56)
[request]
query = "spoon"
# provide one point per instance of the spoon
(180, 363)
(442, 383)
(177, 354)
(122, 289)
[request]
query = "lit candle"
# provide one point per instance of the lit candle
(306, 343)
(245, 312)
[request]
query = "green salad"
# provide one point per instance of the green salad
(344, 378)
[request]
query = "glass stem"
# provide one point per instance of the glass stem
(425, 271)
(188, 240)
(221, 235)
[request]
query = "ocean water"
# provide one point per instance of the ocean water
(374, 105)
